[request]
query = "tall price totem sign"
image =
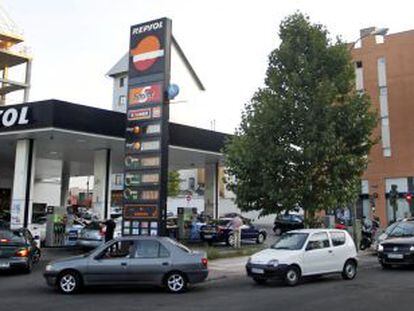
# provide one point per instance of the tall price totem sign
(146, 145)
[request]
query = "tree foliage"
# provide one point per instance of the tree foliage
(305, 136)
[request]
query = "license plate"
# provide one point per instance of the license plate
(208, 236)
(395, 256)
(4, 265)
(257, 271)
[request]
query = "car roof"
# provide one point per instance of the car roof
(134, 238)
(315, 230)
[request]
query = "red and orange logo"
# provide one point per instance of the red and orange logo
(146, 53)
(149, 94)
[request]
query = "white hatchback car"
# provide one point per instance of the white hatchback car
(306, 252)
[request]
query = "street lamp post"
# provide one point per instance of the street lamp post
(374, 32)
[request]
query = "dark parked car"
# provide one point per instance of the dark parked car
(18, 250)
(286, 222)
(130, 261)
(222, 232)
(399, 248)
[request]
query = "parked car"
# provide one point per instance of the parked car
(305, 252)
(389, 232)
(222, 232)
(398, 248)
(93, 234)
(130, 261)
(18, 250)
(286, 222)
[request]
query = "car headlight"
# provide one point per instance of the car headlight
(380, 248)
(412, 249)
(49, 267)
(273, 263)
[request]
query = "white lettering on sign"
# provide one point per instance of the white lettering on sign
(13, 116)
(148, 27)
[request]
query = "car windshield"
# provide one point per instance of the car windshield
(223, 222)
(403, 229)
(93, 226)
(291, 241)
(391, 228)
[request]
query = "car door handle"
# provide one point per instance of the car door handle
(124, 264)
(330, 251)
(165, 263)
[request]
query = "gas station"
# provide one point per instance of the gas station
(57, 140)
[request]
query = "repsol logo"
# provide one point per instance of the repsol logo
(148, 27)
(14, 116)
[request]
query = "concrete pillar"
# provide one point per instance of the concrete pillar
(101, 200)
(211, 194)
(64, 184)
(23, 181)
(27, 81)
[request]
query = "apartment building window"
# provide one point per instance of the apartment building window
(383, 99)
(121, 82)
(359, 76)
(122, 101)
(382, 75)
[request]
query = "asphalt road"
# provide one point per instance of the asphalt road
(373, 289)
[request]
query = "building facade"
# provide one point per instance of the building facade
(385, 70)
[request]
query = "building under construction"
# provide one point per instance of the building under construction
(15, 63)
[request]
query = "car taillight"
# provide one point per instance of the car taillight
(4, 241)
(204, 262)
(23, 252)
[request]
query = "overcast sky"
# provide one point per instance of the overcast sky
(75, 42)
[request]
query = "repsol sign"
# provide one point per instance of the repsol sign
(156, 25)
(10, 117)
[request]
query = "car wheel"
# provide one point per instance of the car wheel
(260, 238)
(277, 231)
(385, 266)
(260, 281)
(231, 240)
(69, 282)
(292, 276)
(176, 282)
(350, 270)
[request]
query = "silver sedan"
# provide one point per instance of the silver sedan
(130, 261)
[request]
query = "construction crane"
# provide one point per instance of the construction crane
(13, 54)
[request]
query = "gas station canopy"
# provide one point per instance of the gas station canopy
(72, 132)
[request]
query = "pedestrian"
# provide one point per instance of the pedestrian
(236, 224)
(110, 229)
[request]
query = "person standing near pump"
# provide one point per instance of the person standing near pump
(110, 229)
(236, 224)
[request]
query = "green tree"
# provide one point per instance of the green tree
(173, 183)
(305, 136)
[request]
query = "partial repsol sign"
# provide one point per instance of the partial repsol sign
(10, 117)
(152, 26)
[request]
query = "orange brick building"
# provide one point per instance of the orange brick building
(385, 70)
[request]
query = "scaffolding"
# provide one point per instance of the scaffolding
(12, 54)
